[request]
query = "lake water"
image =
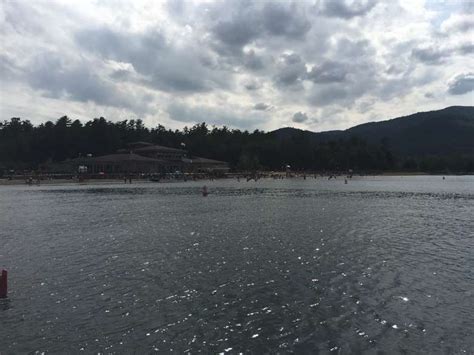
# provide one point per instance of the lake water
(382, 264)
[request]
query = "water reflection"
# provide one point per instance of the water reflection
(269, 267)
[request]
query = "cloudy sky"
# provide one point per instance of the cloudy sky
(317, 65)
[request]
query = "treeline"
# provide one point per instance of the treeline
(25, 146)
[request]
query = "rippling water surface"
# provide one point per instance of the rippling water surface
(305, 266)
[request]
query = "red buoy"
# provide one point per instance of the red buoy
(4, 284)
(204, 191)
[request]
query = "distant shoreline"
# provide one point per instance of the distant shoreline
(49, 182)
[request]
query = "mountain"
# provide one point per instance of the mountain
(442, 132)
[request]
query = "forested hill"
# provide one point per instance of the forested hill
(437, 141)
(443, 132)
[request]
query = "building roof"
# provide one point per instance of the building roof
(123, 151)
(200, 160)
(159, 148)
(139, 144)
(117, 158)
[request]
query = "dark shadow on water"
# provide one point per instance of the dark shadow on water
(5, 304)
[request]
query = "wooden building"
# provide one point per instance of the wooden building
(143, 157)
(161, 152)
(121, 163)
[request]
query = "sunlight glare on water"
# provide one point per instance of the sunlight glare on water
(380, 263)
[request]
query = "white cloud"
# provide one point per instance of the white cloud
(324, 64)
(458, 23)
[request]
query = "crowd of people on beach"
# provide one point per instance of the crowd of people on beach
(38, 179)
(35, 178)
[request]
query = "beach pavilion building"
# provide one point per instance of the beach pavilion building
(147, 158)
(120, 163)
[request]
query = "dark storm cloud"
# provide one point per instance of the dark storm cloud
(299, 117)
(119, 45)
(345, 9)
(51, 76)
(291, 70)
(250, 21)
(352, 74)
(352, 50)
(429, 55)
(8, 68)
(461, 84)
(162, 65)
(466, 48)
(437, 56)
(261, 106)
(233, 25)
(323, 96)
(121, 75)
(464, 26)
(328, 72)
(252, 85)
(237, 32)
(285, 20)
(253, 61)
(212, 115)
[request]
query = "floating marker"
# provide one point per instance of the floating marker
(204, 191)
(4, 284)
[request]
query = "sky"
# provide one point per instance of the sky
(317, 65)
